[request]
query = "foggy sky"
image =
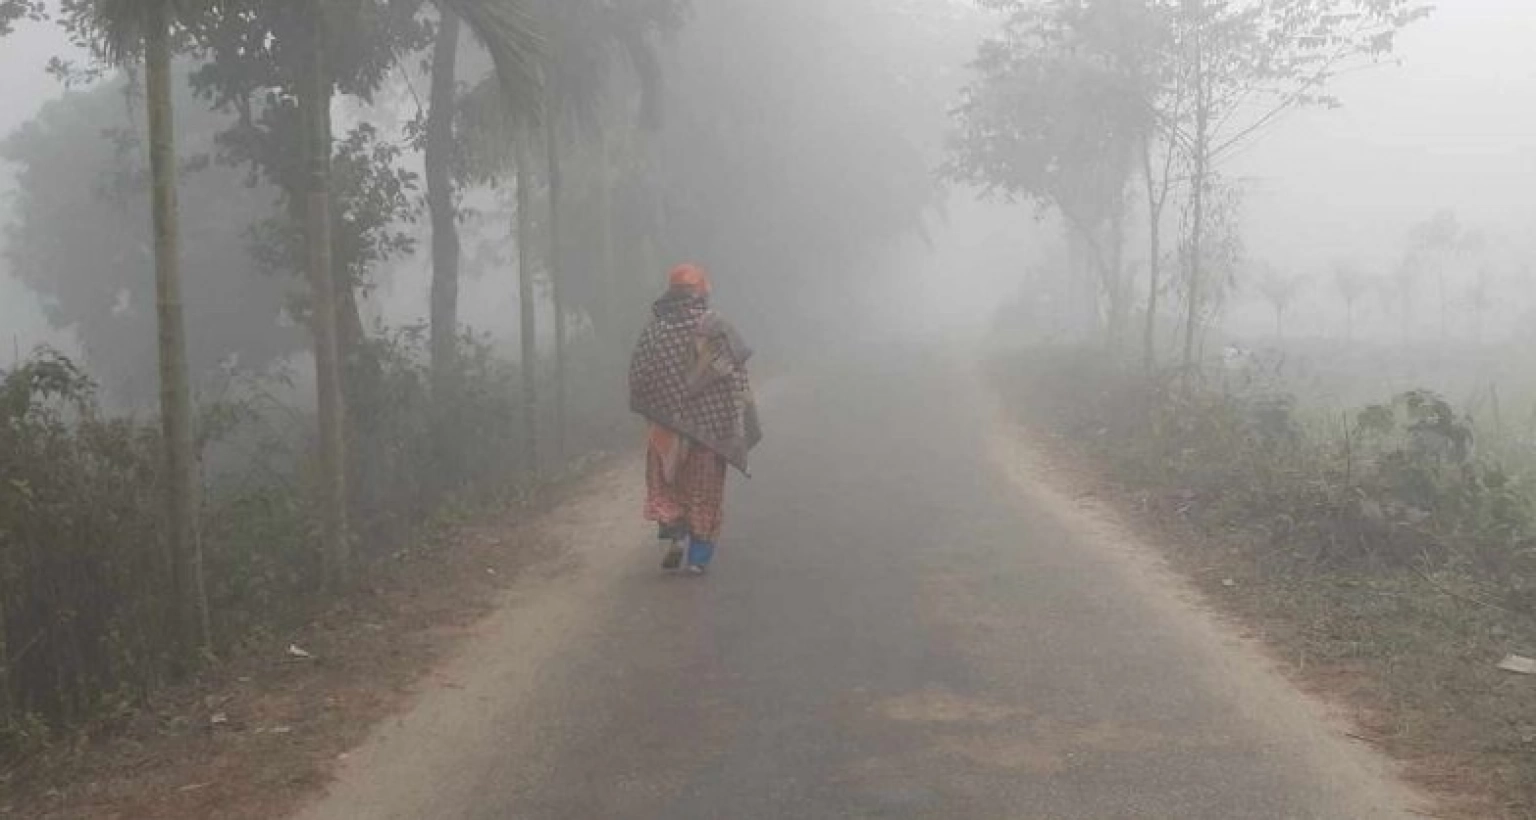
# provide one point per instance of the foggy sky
(22, 57)
(1452, 127)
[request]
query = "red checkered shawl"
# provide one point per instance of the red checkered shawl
(689, 374)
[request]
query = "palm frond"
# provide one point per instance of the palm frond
(509, 32)
(592, 39)
(638, 27)
(647, 68)
(489, 132)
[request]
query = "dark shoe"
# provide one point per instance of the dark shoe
(674, 557)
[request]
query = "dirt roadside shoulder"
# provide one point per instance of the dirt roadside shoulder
(1231, 660)
(1213, 573)
(273, 725)
(426, 762)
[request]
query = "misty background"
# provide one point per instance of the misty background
(349, 386)
(1441, 126)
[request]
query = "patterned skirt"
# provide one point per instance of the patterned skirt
(685, 484)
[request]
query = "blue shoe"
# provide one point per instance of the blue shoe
(700, 553)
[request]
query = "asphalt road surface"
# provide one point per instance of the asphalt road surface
(904, 621)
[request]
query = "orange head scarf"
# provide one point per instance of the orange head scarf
(689, 278)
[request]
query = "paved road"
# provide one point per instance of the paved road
(894, 629)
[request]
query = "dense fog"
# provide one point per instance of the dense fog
(1435, 128)
(284, 285)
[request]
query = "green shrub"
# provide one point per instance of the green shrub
(1398, 484)
(81, 562)
(85, 626)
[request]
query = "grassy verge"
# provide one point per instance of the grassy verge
(88, 661)
(1387, 562)
(253, 735)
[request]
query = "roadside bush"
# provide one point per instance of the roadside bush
(411, 453)
(1398, 484)
(1387, 553)
(85, 626)
(81, 561)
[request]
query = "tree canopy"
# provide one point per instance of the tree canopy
(80, 162)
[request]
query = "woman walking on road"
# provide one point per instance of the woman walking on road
(688, 378)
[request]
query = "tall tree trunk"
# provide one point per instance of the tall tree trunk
(445, 229)
(1120, 299)
(1197, 225)
(175, 394)
(1196, 251)
(359, 367)
(361, 383)
(528, 312)
(1084, 307)
(315, 101)
(556, 272)
(1155, 257)
(1445, 306)
(606, 322)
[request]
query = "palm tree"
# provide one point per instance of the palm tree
(498, 145)
(588, 40)
(1480, 298)
(504, 28)
(121, 32)
(583, 41)
(507, 30)
(1280, 291)
(574, 70)
(1351, 283)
